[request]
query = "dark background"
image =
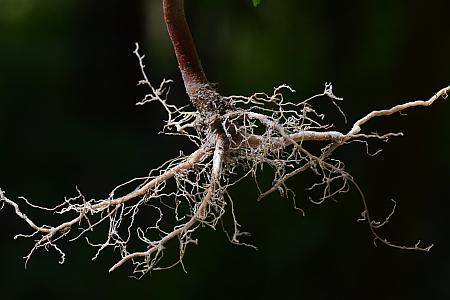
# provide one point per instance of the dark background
(67, 118)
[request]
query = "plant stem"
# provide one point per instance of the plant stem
(190, 66)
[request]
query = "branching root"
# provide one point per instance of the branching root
(190, 191)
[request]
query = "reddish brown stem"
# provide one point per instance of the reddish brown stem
(183, 44)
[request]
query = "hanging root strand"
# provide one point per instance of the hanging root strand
(192, 191)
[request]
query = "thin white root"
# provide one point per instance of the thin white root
(182, 231)
(264, 130)
(443, 93)
(105, 208)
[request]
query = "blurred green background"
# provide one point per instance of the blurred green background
(67, 118)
